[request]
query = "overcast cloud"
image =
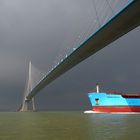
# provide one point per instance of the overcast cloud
(41, 31)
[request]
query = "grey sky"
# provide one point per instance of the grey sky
(42, 31)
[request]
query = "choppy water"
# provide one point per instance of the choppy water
(68, 126)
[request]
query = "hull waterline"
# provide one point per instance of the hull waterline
(110, 109)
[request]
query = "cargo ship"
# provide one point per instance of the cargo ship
(114, 102)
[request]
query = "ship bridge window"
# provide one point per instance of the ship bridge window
(97, 101)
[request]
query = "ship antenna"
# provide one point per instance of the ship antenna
(97, 88)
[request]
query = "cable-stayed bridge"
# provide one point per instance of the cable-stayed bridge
(112, 19)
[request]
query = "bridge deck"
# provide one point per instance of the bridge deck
(122, 23)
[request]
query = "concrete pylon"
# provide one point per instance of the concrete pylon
(28, 105)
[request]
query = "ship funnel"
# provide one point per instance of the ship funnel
(97, 88)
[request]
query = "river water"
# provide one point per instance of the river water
(68, 126)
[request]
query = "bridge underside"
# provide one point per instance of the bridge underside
(121, 24)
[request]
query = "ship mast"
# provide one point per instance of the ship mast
(97, 88)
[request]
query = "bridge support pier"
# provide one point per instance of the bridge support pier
(26, 106)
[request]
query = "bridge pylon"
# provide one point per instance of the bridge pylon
(28, 104)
